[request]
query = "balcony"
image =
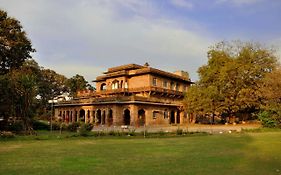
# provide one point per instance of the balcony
(152, 90)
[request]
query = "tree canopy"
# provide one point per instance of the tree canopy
(229, 82)
(77, 83)
(15, 47)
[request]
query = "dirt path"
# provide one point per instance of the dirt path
(190, 128)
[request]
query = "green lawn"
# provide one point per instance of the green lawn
(245, 153)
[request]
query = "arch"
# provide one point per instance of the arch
(82, 115)
(127, 117)
(115, 84)
(88, 116)
(121, 84)
(178, 117)
(67, 116)
(103, 117)
(71, 117)
(75, 116)
(103, 87)
(63, 116)
(93, 116)
(172, 117)
(110, 117)
(141, 117)
(165, 114)
(172, 85)
(98, 117)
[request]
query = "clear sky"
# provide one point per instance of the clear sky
(88, 36)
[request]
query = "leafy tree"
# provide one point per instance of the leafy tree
(24, 90)
(271, 93)
(229, 83)
(15, 47)
(51, 84)
(76, 83)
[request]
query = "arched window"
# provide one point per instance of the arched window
(165, 114)
(126, 85)
(154, 82)
(115, 84)
(172, 86)
(103, 87)
(177, 86)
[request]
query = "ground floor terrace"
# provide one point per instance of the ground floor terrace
(125, 114)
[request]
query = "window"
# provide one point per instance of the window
(115, 84)
(177, 86)
(121, 84)
(103, 87)
(165, 114)
(165, 84)
(155, 115)
(154, 82)
(172, 86)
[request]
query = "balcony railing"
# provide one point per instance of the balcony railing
(129, 90)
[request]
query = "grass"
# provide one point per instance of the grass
(243, 153)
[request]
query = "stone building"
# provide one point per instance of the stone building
(130, 95)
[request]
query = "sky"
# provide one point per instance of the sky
(88, 36)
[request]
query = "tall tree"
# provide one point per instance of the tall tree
(15, 47)
(230, 80)
(271, 93)
(24, 90)
(76, 83)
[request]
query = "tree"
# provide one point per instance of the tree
(15, 47)
(24, 90)
(51, 84)
(271, 93)
(229, 83)
(76, 83)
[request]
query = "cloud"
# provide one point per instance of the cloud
(239, 2)
(182, 3)
(89, 36)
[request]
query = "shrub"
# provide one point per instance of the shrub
(268, 119)
(132, 132)
(40, 125)
(114, 133)
(16, 127)
(161, 133)
(83, 130)
(179, 131)
(56, 126)
(89, 126)
(73, 126)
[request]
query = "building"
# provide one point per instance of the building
(130, 95)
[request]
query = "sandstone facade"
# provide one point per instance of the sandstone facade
(132, 95)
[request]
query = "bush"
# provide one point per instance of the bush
(132, 132)
(16, 127)
(83, 130)
(56, 126)
(179, 131)
(268, 119)
(73, 126)
(89, 126)
(40, 125)
(114, 133)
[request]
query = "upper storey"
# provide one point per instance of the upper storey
(133, 76)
